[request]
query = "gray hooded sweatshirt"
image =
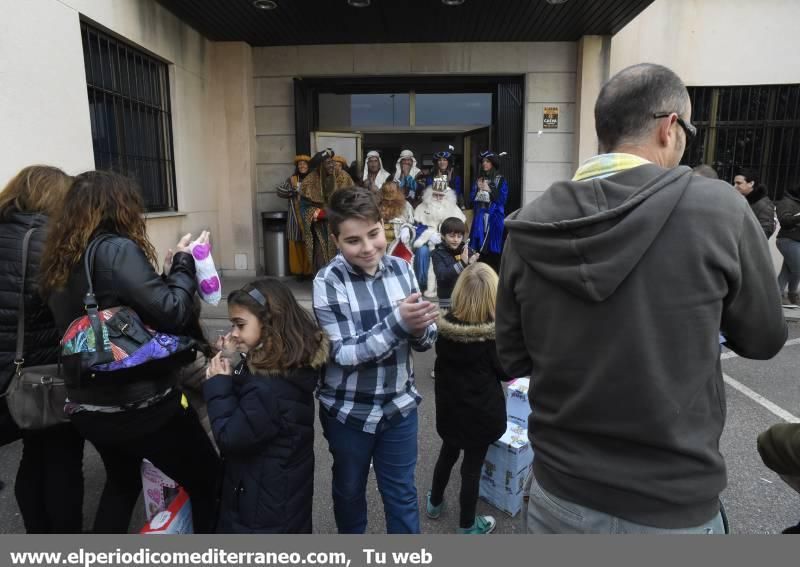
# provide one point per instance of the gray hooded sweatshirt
(612, 293)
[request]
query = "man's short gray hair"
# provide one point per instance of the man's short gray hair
(624, 109)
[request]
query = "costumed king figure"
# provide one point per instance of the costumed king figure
(438, 203)
(398, 221)
(315, 194)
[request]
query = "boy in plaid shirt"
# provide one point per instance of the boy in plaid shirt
(370, 306)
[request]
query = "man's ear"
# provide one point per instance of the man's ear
(665, 131)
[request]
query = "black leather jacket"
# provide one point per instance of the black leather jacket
(124, 276)
(41, 337)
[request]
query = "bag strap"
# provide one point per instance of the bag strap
(88, 259)
(89, 300)
(18, 359)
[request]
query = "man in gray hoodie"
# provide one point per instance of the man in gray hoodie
(613, 289)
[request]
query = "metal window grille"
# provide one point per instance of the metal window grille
(130, 115)
(751, 127)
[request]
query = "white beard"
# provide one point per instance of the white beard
(432, 213)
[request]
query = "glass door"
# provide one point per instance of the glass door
(347, 144)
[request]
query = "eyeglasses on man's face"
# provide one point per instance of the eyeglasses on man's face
(688, 129)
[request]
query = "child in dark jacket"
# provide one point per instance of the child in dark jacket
(450, 257)
(470, 405)
(262, 411)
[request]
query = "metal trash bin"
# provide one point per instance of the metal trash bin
(276, 247)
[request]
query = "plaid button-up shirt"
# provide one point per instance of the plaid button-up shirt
(370, 375)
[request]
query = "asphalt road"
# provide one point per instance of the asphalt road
(756, 500)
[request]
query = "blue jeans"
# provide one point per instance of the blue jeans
(549, 514)
(790, 270)
(422, 260)
(393, 452)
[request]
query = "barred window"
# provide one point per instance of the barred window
(130, 114)
(751, 127)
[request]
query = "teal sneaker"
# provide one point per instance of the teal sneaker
(482, 525)
(433, 512)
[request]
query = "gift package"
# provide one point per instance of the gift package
(175, 519)
(517, 405)
(208, 285)
(166, 505)
(507, 467)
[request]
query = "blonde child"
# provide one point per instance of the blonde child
(262, 411)
(470, 406)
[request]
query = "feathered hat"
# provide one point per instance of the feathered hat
(302, 157)
(341, 159)
(493, 157)
(446, 154)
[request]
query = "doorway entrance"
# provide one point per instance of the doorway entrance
(425, 114)
(466, 149)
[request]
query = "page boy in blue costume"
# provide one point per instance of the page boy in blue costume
(488, 197)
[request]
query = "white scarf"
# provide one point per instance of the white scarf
(406, 154)
(382, 175)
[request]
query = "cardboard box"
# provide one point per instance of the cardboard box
(517, 405)
(506, 470)
(158, 489)
(176, 519)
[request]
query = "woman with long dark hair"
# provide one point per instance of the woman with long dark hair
(137, 413)
(49, 485)
(747, 183)
(488, 197)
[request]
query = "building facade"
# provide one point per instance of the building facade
(207, 108)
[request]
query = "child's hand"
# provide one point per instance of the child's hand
(474, 258)
(224, 339)
(218, 365)
(417, 315)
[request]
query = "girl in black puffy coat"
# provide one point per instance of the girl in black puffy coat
(262, 411)
(470, 405)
